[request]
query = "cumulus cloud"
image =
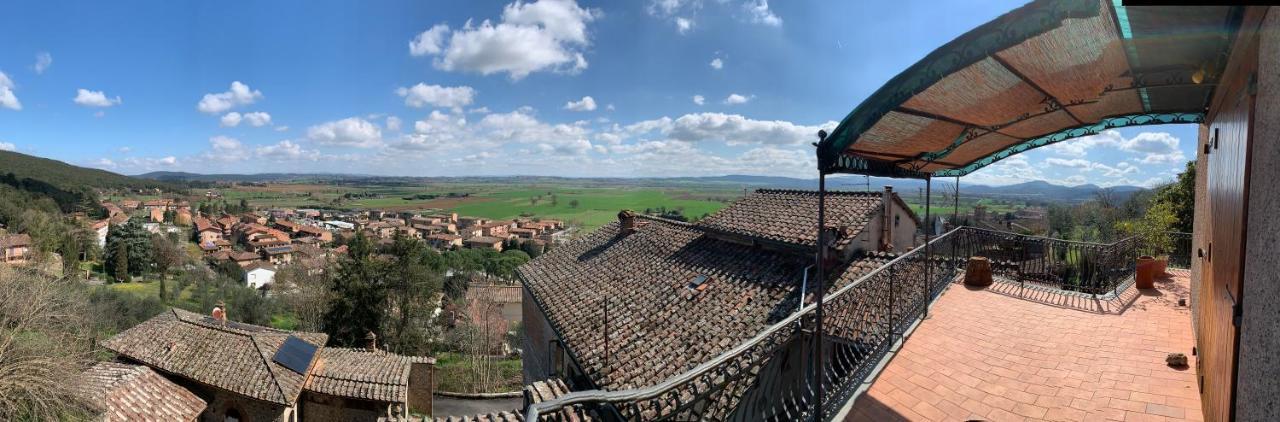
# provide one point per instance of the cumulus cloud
(683, 25)
(1154, 147)
(167, 161)
(717, 64)
(257, 118)
(7, 146)
(530, 37)
(224, 148)
(585, 104)
(349, 132)
(89, 98)
(231, 119)
(393, 123)
(286, 150)
(699, 100)
(7, 98)
(1073, 163)
(759, 12)
(429, 41)
(733, 99)
(43, 61)
(732, 129)
(239, 95)
(422, 95)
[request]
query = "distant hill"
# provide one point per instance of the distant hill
(67, 176)
(1037, 190)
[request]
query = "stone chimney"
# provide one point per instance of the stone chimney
(886, 219)
(371, 342)
(627, 221)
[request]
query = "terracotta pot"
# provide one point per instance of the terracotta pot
(1145, 278)
(1162, 265)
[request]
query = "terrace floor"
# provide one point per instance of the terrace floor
(987, 354)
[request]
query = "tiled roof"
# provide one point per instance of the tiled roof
(485, 240)
(361, 374)
(122, 392)
(655, 318)
(15, 240)
(495, 293)
(236, 357)
(203, 224)
(791, 216)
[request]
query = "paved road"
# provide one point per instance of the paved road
(449, 406)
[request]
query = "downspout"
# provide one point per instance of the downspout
(803, 285)
(886, 227)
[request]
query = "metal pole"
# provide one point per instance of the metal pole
(822, 257)
(928, 250)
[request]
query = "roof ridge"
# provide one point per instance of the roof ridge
(275, 379)
(666, 220)
(814, 192)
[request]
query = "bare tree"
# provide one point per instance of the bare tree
(44, 345)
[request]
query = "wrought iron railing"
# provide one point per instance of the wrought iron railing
(1093, 268)
(1180, 257)
(863, 320)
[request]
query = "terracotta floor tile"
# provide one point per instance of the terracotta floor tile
(988, 354)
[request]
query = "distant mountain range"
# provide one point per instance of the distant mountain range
(1036, 190)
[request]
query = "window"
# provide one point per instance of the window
(557, 358)
(896, 218)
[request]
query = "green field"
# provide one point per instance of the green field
(595, 206)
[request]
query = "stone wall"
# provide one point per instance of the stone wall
(222, 403)
(422, 384)
(1258, 380)
(536, 345)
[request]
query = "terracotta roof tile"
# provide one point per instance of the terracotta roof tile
(361, 374)
(122, 392)
(236, 357)
(791, 216)
(15, 240)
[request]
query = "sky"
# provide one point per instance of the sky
(460, 88)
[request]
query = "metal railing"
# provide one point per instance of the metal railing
(1093, 268)
(863, 320)
(1180, 257)
(769, 378)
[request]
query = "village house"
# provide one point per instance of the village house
(323, 235)
(483, 242)
(100, 229)
(523, 233)
(471, 232)
(287, 226)
(468, 222)
(206, 231)
(156, 214)
(130, 204)
(112, 209)
(121, 392)
(278, 255)
(259, 274)
(506, 297)
(713, 284)
(444, 241)
(15, 248)
(495, 229)
(247, 372)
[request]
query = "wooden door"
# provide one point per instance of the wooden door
(1229, 137)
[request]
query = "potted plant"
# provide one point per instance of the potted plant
(1155, 230)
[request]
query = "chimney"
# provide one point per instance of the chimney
(220, 312)
(627, 220)
(371, 342)
(886, 219)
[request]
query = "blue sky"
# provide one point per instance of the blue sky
(592, 88)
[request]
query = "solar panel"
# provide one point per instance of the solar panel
(697, 281)
(295, 354)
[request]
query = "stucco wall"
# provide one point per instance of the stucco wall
(536, 343)
(1199, 225)
(1258, 385)
(250, 410)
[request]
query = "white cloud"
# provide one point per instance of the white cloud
(393, 123)
(732, 129)
(683, 25)
(231, 119)
(585, 104)
(530, 37)
(737, 99)
(1075, 180)
(422, 95)
(717, 64)
(479, 110)
(429, 41)
(7, 98)
(1073, 163)
(350, 132)
(226, 149)
(89, 98)
(1155, 147)
(124, 150)
(167, 161)
(258, 118)
(7, 146)
(760, 13)
(43, 61)
(285, 150)
(281, 128)
(699, 100)
(239, 95)
(104, 163)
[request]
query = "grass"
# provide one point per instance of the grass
(454, 373)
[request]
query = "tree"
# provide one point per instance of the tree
(1181, 196)
(412, 286)
(573, 203)
(118, 265)
(45, 338)
(358, 299)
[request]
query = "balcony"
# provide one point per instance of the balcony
(1061, 335)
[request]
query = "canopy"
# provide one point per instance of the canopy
(1043, 73)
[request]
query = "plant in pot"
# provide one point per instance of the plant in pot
(1154, 231)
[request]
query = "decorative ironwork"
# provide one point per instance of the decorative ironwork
(854, 164)
(1075, 132)
(1091, 268)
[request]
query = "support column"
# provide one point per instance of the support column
(822, 291)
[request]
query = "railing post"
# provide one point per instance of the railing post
(928, 235)
(822, 255)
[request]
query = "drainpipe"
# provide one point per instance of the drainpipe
(886, 222)
(803, 285)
